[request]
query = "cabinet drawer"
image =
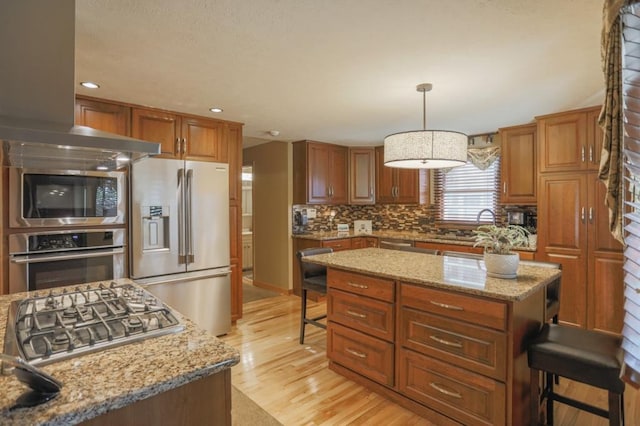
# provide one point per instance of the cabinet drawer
(470, 398)
(337, 245)
(479, 349)
(378, 288)
(371, 316)
(457, 306)
(371, 357)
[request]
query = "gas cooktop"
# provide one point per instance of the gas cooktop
(63, 324)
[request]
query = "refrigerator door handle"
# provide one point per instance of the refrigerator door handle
(181, 233)
(189, 227)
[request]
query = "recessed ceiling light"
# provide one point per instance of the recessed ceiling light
(89, 85)
(215, 109)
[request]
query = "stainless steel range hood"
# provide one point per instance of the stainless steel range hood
(37, 81)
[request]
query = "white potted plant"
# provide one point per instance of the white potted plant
(498, 241)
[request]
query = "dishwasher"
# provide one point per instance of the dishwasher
(394, 243)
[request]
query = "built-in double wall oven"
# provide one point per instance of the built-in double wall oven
(67, 227)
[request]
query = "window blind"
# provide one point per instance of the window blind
(462, 192)
(631, 152)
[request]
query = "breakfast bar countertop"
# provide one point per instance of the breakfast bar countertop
(103, 381)
(446, 272)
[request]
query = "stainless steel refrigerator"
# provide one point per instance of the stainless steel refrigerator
(179, 244)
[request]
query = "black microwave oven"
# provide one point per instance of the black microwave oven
(51, 198)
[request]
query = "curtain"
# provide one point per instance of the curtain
(611, 115)
(482, 158)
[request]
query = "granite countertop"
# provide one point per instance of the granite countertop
(450, 273)
(415, 236)
(112, 378)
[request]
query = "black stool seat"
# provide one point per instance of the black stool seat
(581, 355)
(585, 356)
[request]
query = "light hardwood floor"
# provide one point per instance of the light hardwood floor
(292, 381)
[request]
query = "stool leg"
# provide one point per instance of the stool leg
(616, 413)
(535, 397)
(303, 314)
(549, 392)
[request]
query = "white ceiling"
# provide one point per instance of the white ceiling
(344, 71)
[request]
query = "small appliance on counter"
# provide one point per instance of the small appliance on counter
(362, 227)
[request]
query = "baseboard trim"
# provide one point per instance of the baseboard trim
(270, 287)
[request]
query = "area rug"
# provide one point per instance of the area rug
(251, 293)
(245, 412)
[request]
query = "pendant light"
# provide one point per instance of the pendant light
(425, 149)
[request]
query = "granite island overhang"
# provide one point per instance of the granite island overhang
(115, 378)
(446, 272)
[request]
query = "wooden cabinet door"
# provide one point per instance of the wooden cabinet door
(562, 238)
(407, 186)
(234, 144)
(594, 139)
(318, 171)
(158, 126)
(338, 174)
(518, 164)
(562, 142)
(105, 116)
(605, 261)
(362, 164)
(385, 179)
(203, 140)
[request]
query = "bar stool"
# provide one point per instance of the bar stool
(312, 278)
(585, 356)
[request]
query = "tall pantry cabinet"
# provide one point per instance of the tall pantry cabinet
(573, 221)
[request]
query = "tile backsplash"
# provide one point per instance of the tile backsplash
(384, 217)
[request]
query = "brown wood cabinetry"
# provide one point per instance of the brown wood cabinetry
(362, 171)
(364, 242)
(573, 223)
(399, 186)
(569, 141)
(181, 136)
(233, 137)
(337, 245)
(103, 115)
(462, 356)
(203, 401)
(361, 324)
(319, 173)
(518, 164)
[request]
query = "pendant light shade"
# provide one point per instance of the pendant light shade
(425, 149)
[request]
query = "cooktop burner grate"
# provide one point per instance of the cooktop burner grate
(63, 324)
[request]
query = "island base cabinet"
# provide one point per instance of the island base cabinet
(467, 397)
(371, 357)
(204, 401)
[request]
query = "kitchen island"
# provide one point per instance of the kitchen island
(177, 378)
(434, 333)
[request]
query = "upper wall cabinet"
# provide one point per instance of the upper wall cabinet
(103, 115)
(191, 138)
(400, 186)
(362, 175)
(518, 164)
(569, 141)
(319, 173)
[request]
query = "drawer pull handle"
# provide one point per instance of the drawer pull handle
(446, 342)
(441, 389)
(356, 314)
(445, 306)
(356, 353)
(356, 285)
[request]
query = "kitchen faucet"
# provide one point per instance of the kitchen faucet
(486, 210)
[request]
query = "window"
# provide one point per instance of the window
(464, 191)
